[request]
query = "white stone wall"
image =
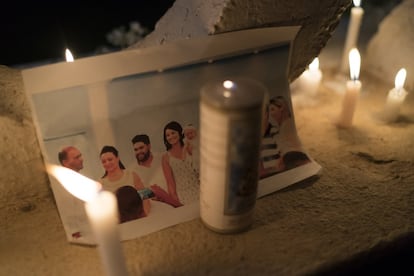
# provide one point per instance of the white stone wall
(392, 47)
(22, 177)
(193, 18)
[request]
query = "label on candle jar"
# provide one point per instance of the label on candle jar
(230, 127)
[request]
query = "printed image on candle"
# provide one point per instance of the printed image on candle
(138, 136)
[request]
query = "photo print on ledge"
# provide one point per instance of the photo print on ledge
(115, 118)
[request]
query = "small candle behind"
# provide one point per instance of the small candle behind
(353, 88)
(68, 55)
(395, 98)
(311, 78)
(306, 86)
(353, 31)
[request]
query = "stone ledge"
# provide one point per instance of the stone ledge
(355, 208)
(188, 19)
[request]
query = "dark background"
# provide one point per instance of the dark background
(37, 32)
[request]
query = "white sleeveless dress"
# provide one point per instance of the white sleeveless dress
(186, 179)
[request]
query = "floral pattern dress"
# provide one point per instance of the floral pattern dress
(186, 178)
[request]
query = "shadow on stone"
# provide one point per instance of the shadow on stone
(383, 259)
(301, 184)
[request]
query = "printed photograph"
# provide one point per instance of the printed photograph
(138, 136)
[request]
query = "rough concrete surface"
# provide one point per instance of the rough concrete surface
(19, 149)
(188, 19)
(364, 197)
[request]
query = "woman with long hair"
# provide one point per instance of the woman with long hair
(281, 123)
(182, 179)
(116, 175)
(270, 156)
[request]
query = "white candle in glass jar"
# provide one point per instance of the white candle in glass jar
(102, 211)
(395, 98)
(230, 140)
(353, 88)
(353, 31)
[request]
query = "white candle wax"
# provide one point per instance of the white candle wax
(101, 209)
(352, 35)
(103, 215)
(353, 88)
(349, 103)
(311, 78)
(395, 98)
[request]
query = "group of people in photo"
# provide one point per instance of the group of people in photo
(155, 181)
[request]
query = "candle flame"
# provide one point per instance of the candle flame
(69, 56)
(78, 185)
(354, 63)
(314, 66)
(228, 84)
(400, 78)
(357, 3)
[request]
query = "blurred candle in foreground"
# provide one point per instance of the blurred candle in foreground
(353, 31)
(101, 208)
(68, 55)
(396, 97)
(353, 88)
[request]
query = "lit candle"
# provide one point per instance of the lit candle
(395, 97)
(353, 87)
(230, 140)
(306, 86)
(311, 78)
(69, 56)
(352, 35)
(102, 212)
